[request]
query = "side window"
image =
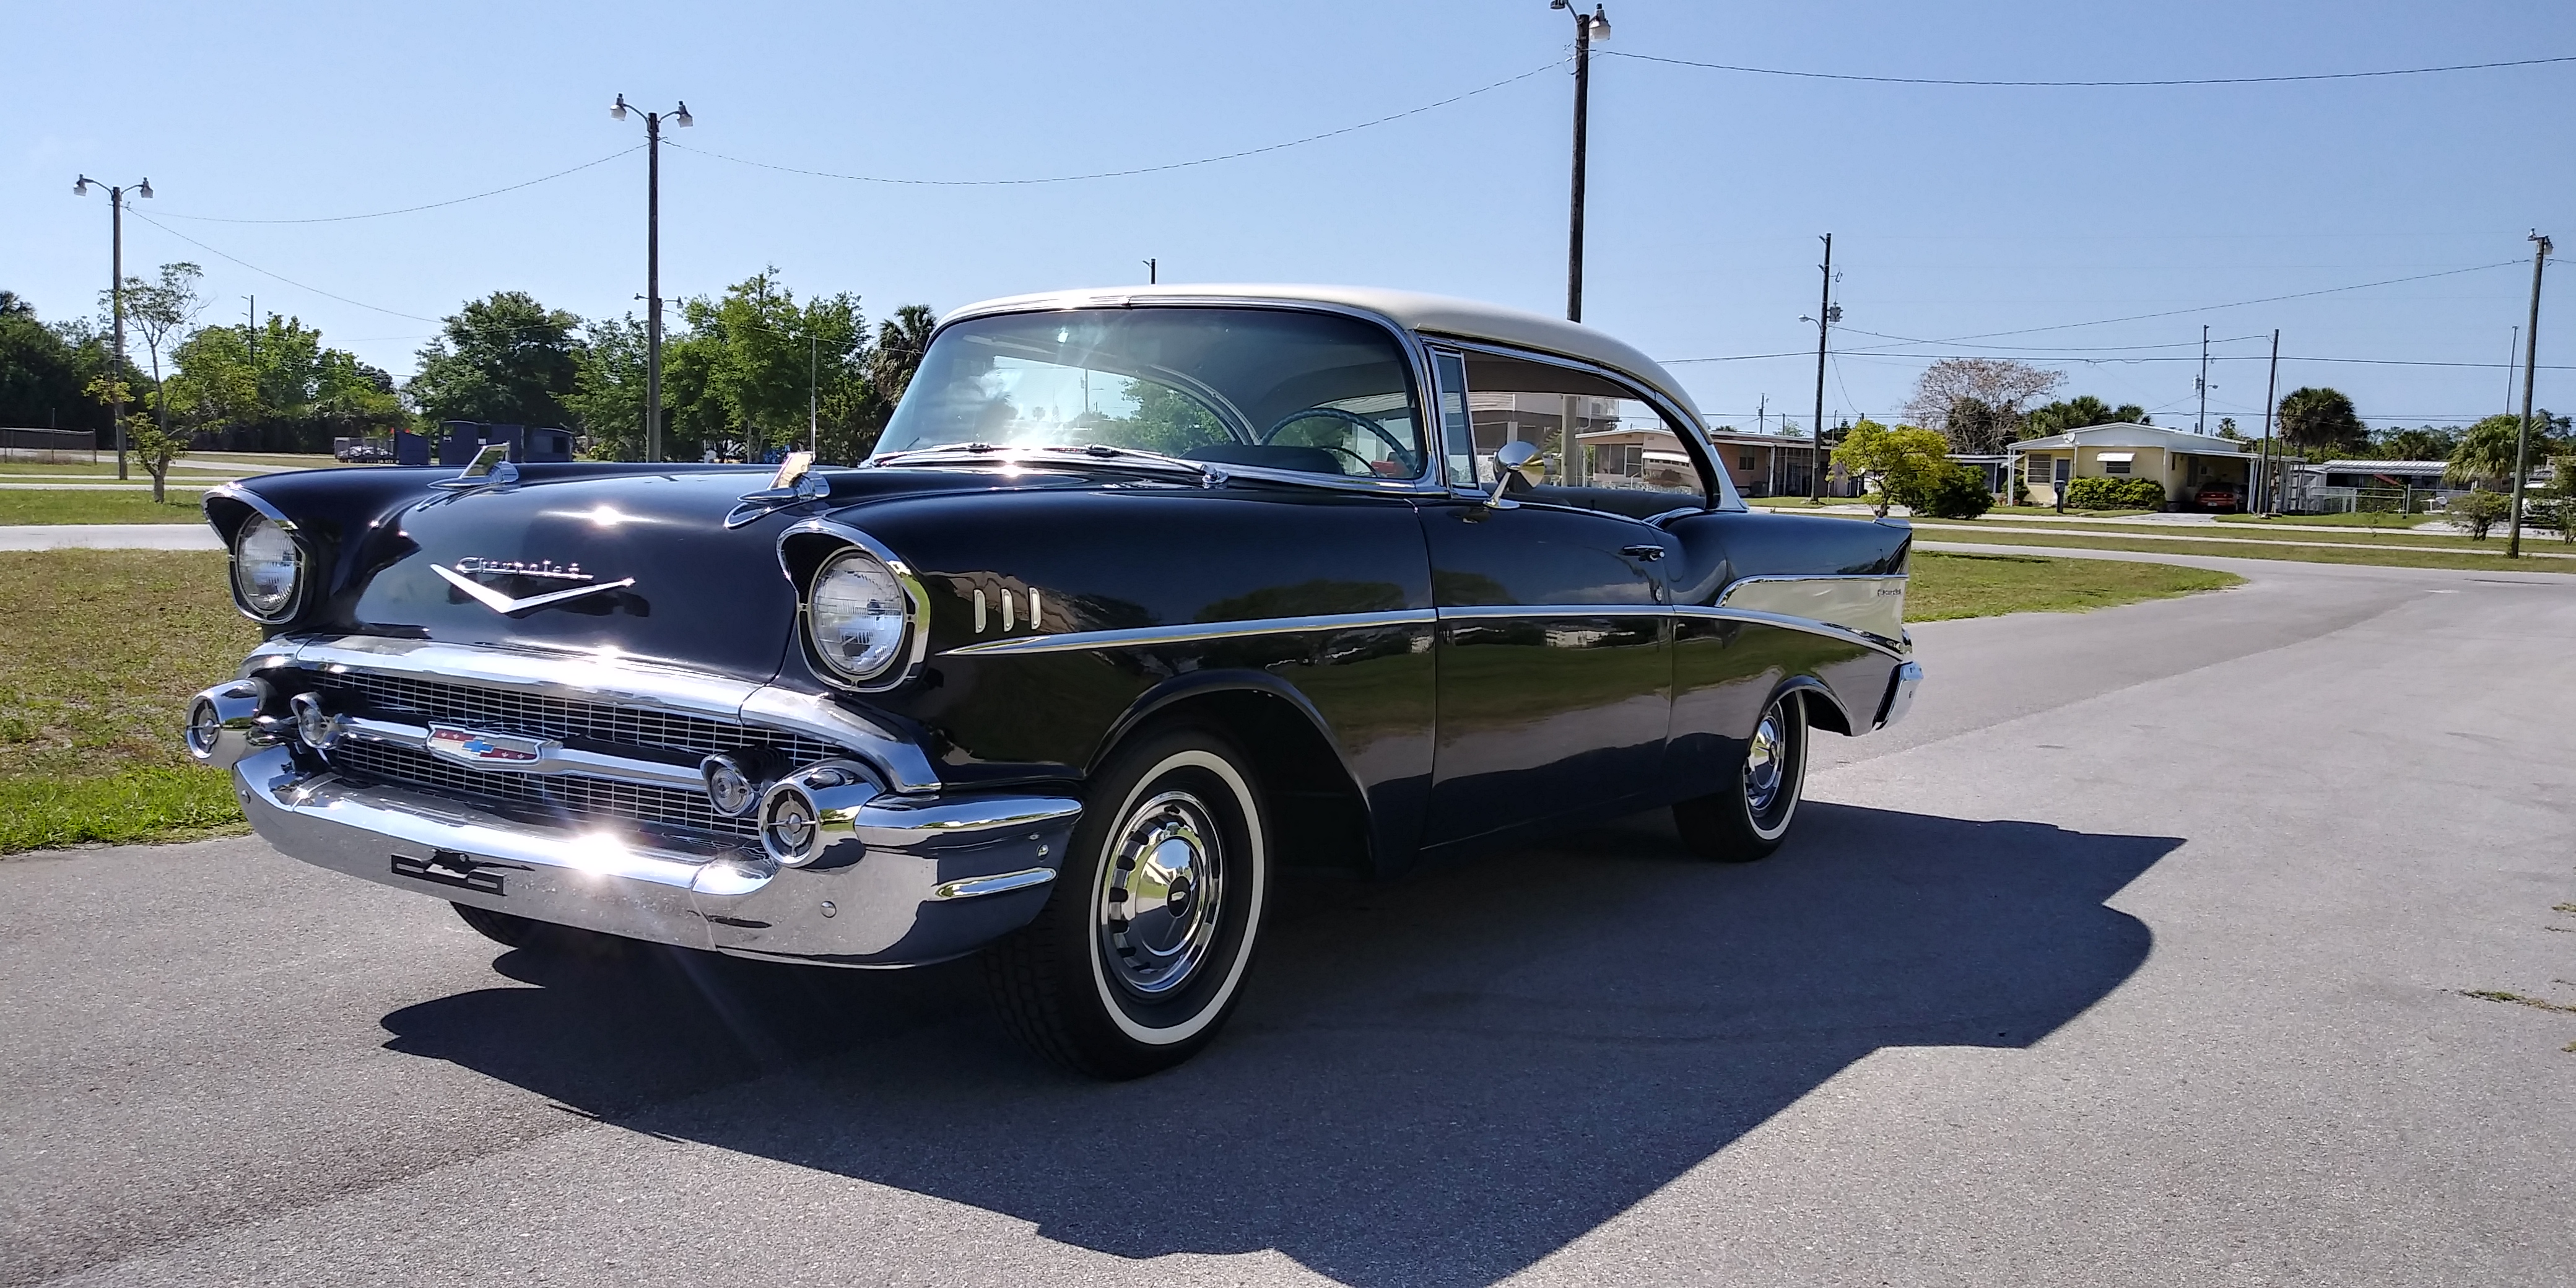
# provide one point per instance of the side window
(1605, 448)
(1457, 439)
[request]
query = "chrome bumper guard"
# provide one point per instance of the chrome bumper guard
(915, 878)
(1900, 692)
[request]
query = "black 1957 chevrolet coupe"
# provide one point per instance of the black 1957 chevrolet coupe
(1144, 598)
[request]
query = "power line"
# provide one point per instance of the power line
(379, 214)
(1122, 174)
(280, 277)
(2238, 304)
(2094, 84)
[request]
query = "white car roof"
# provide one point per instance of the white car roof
(1430, 314)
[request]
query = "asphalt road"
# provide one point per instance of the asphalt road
(2135, 957)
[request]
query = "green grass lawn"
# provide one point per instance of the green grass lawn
(105, 472)
(2244, 533)
(71, 506)
(2419, 553)
(2358, 520)
(99, 654)
(1963, 585)
(2052, 512)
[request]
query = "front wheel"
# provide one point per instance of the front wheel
(1748, 817)
(1140, 953)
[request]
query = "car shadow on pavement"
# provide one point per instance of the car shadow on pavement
(1436, 1080)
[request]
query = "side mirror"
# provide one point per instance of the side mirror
(1515, 458)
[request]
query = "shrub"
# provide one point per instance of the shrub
(2479, 512)
(1956, 492)
(2114, 494)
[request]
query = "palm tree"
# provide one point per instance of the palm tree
(900, 341)
(2485, 453)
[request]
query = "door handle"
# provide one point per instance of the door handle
(1647, 553)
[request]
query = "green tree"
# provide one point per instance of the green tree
(156, 312)
(2422, 443)
(901, 340)
(607, 398)
(504, 359)
(1897, 464)
(2321, 418)
(277, 387)
(2076, 413)
(2486, 450)
(45, 370)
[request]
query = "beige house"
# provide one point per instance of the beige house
(1758, 464)
(2189, 466)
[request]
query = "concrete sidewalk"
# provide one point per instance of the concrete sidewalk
(109, 536)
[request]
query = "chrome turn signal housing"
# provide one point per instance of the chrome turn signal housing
(228, 722)
(807, 813)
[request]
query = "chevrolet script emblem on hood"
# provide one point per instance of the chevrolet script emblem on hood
(463, 575)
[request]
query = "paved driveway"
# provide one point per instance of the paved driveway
(2133, 958)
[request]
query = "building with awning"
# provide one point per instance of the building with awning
(2193, 469)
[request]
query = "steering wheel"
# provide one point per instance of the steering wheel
(1394, 447)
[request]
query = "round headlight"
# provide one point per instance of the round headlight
(267, 564)
(858, 614)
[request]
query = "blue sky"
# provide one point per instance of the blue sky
(1957, 211)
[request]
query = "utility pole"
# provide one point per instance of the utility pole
(2279, 484)
(813, 393)
(115, 298)
(1587, 28)
(1153, 272)
(652, 267)
(2512, 359)
(2530, 366)
(1816, 428)
(2201, 425)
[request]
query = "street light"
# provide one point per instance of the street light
(652, 267)
(116, 297)
(1588, 27)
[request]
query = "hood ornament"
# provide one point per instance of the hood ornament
(462, 577)
(795, 481)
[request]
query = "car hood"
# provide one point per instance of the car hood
(639, 566)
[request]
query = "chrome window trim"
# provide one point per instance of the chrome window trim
(1416, 352)
(916, 628)
(1891, 648)
(1694, 435)
(1193, 632)
(611, 681)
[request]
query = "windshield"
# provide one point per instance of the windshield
(1314, 392)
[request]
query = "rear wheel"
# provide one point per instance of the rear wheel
(1141, 952)
(1748, 817)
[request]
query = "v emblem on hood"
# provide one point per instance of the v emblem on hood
(504, 605)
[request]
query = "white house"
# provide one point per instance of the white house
(2187, 465)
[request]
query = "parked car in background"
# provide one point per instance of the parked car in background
(2225, 500)
(1145, 598)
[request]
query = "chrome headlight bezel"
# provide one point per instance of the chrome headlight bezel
(300, 570)
(904, 660)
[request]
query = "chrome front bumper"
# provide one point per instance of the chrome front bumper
(916, 879)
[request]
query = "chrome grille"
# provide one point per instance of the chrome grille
(569, 797)
(604, 726)
(539, 716)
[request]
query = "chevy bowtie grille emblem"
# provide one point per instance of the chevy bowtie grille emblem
(475, 747)
(462, 577)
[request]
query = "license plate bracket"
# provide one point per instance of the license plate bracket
(450, 868)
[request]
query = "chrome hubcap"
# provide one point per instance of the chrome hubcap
(1766, 761)
(1160, 895)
